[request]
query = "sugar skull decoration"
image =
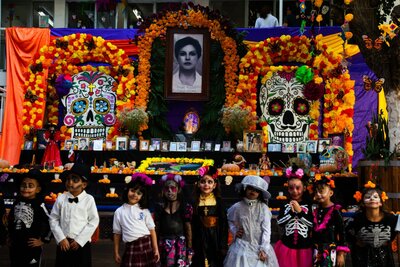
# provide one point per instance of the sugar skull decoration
(90, 104)
(285, 108)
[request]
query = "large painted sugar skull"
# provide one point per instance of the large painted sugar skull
(285, 109)
(90, 104)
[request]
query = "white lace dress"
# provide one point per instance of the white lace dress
(255, 219)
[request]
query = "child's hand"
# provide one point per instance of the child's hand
(35, 242)
(295, 206)
(117, 258)
(74, 245)
(340, 259)
(157, 255)
(239, 232)
(64, 245)
(262, 255)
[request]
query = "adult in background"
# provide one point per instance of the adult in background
(266, 19)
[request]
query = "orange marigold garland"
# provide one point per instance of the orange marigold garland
(63, 56)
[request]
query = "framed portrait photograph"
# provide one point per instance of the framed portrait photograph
(187, 64)
(288, 147)
(226, 146)
(208, 145)
(182, 146)
(217, 147)
(83, 143)
(164, 145)
(173, 146)
(337, 139)
(155, 144)
(109, 144)
(144, 145)
(195, 145)
(41, 141)
(133, 144)
(121, 143)
(97, 145)
(311, 146)
(301, 147)
(253, 141)
(323, 144)
(69, 144)
(28, 145)
(274, 147)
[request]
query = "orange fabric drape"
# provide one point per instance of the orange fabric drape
(22, 44)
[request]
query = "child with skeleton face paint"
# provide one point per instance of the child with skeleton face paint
(328, 234)
(372, 229)
(173, 223)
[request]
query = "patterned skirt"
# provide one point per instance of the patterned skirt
(139, 253)
(173, 252)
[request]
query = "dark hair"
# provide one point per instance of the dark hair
(211, 170)
(264, 12)
(242, 193)
(137, 185)
(179, 198)
(187, 41)
(35, 174)
(364, 191)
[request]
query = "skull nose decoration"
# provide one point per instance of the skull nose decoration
(90, 104)
(285, 109)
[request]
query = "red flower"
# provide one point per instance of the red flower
(313, 91)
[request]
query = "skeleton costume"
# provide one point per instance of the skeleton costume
(371, 241)
(254, 217)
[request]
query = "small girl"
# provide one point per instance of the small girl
(173, 223)
(372, 230)
(296, 221)
(210, 235)
(28, 223)
(328, 232)
(134, 223)
(250, 223)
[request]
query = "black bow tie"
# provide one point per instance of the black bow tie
(73, 200)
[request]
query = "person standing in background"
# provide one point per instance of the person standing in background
(266, 19)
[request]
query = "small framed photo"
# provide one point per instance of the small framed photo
(109, 144)
(337, 139)
(195, 146)
(155, 144)
(173, 146)
(289, 148)
(217, 147)
(312, 146)
(69, 144)
(182, 146)
(226, 146)
(253, 141)
(98, 145)
(165, 145)
(121, 143)
(144, 145)
(323, 143)
(133, 144)
(208, 145)
(301, 147)
(83, 144)
(274, 147)
(41, 141)
(28, 145)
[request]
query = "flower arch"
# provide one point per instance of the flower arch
(339, 98)
(70, 55)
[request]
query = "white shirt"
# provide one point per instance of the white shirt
(132, 222)
(74, 220)
(179, 87)
(269, 22)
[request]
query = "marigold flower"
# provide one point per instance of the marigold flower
(357, 196)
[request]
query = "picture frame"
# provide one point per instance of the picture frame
(208, 145)
(274, 147)
(40, 140)
(289, 147)
(323, 143)
(226, 146)
(97, 145)
(109, 144)
(144, 145)
(195, 146)
(177, 86)
(312, 146)
(182, 146)
(217, 147)
(165, 145)
(173, 146)
(253, 141)
(155, 144)
(301, 147)
(69, 144)
(133, 144)
(191, 122)
(337, 139)
(83, 143)
(28, 145)
(121, 143)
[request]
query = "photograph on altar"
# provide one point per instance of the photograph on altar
(188, 63)
(253, 141)
(121, 143)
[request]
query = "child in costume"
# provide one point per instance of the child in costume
(328, 234)
(173, 223)
(250, 224)
(372, 230)
(135, 226)
(210, 235)
(74, 219)
(296, 221)
(28, 223)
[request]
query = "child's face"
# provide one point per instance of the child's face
(371, 199)
(252, 193)
(323, 194)
(75, 185)
(296, 189)
(171, 190)
(29, 188)
(134, 196)
(207, 185)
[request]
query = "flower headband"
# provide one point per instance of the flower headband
(205, 170)
(139, 177)
(172, 177)
(370, 185)
(324, 179)
(299, 173)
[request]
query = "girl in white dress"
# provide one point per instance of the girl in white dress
(250, 223)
